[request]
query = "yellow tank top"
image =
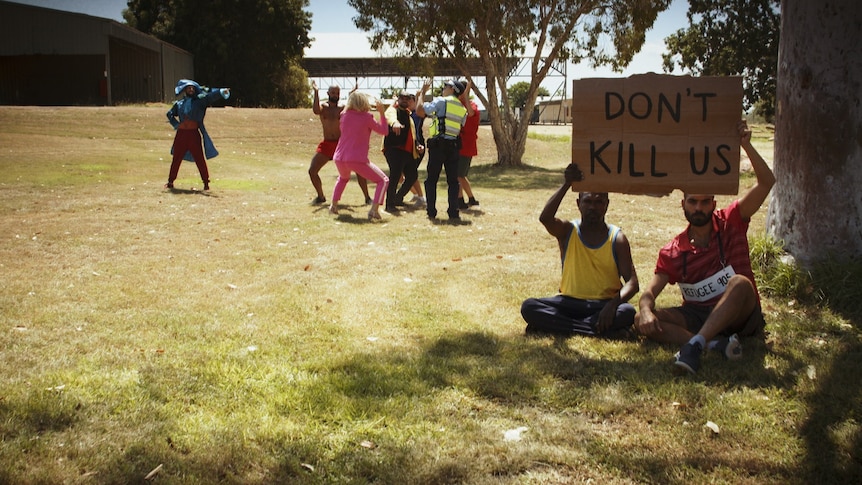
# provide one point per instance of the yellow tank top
(590, 273)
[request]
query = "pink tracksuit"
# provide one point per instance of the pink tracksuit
(351, 154)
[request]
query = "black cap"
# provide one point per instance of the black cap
(456, 86)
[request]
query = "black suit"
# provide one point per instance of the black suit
(398, 150)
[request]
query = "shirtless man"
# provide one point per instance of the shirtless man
(330, 113)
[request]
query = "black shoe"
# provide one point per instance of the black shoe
(391, 209)
(688, 358)
(462, 204)
(472, 202)
(206, 185)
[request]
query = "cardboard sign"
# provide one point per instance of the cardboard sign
(652, 133)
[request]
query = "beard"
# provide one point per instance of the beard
(333, 100)
(698, 219)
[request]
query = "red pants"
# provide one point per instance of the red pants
(185, 141)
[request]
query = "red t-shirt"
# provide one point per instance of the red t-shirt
(684, 263)
(470, 134)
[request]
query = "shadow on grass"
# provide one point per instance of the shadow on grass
(833, 428)
(514, 373)
(350, 214)
(41, 411)
(371, 387)
(359, 215)
(177, 191)
(525, 177)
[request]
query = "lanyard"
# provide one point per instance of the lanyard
(720, 253)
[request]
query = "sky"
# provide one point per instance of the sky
(335, 35)
(332, 28)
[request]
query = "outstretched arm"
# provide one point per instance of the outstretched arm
(215, 94)
(750, 203)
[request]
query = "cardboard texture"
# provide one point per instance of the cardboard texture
(653, 133)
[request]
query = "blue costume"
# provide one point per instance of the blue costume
(187, 117)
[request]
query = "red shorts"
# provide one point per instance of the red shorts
(327, 147)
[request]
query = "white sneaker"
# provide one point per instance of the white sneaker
(730, 347)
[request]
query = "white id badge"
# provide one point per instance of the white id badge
(708, 288)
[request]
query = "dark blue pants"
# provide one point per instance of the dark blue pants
(442, 154)
(567, 315)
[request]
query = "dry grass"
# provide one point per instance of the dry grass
(246, 336)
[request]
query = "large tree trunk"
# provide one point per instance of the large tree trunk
(511, 141)
(510, 133)
(816, 206)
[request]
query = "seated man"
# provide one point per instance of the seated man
(711, 264)
(596, 258)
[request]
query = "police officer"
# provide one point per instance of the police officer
(447, 115)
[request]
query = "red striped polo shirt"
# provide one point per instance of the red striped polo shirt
(685, 263)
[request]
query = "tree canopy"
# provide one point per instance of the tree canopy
(252, 46)
(607, 32)
(731, 37)
(518, 94)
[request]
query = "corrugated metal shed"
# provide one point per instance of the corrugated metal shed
(52, 57)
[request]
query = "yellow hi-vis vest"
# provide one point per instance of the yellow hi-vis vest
(449, 123)
(590, 273)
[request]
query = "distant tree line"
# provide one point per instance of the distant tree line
(255, 46)
(252, 46)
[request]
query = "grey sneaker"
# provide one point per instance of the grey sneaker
(730, 347)
(688, 358)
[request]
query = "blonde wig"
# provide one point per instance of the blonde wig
(358, 102)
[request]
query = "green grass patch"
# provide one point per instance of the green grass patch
(550, 138)
(246, 336)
